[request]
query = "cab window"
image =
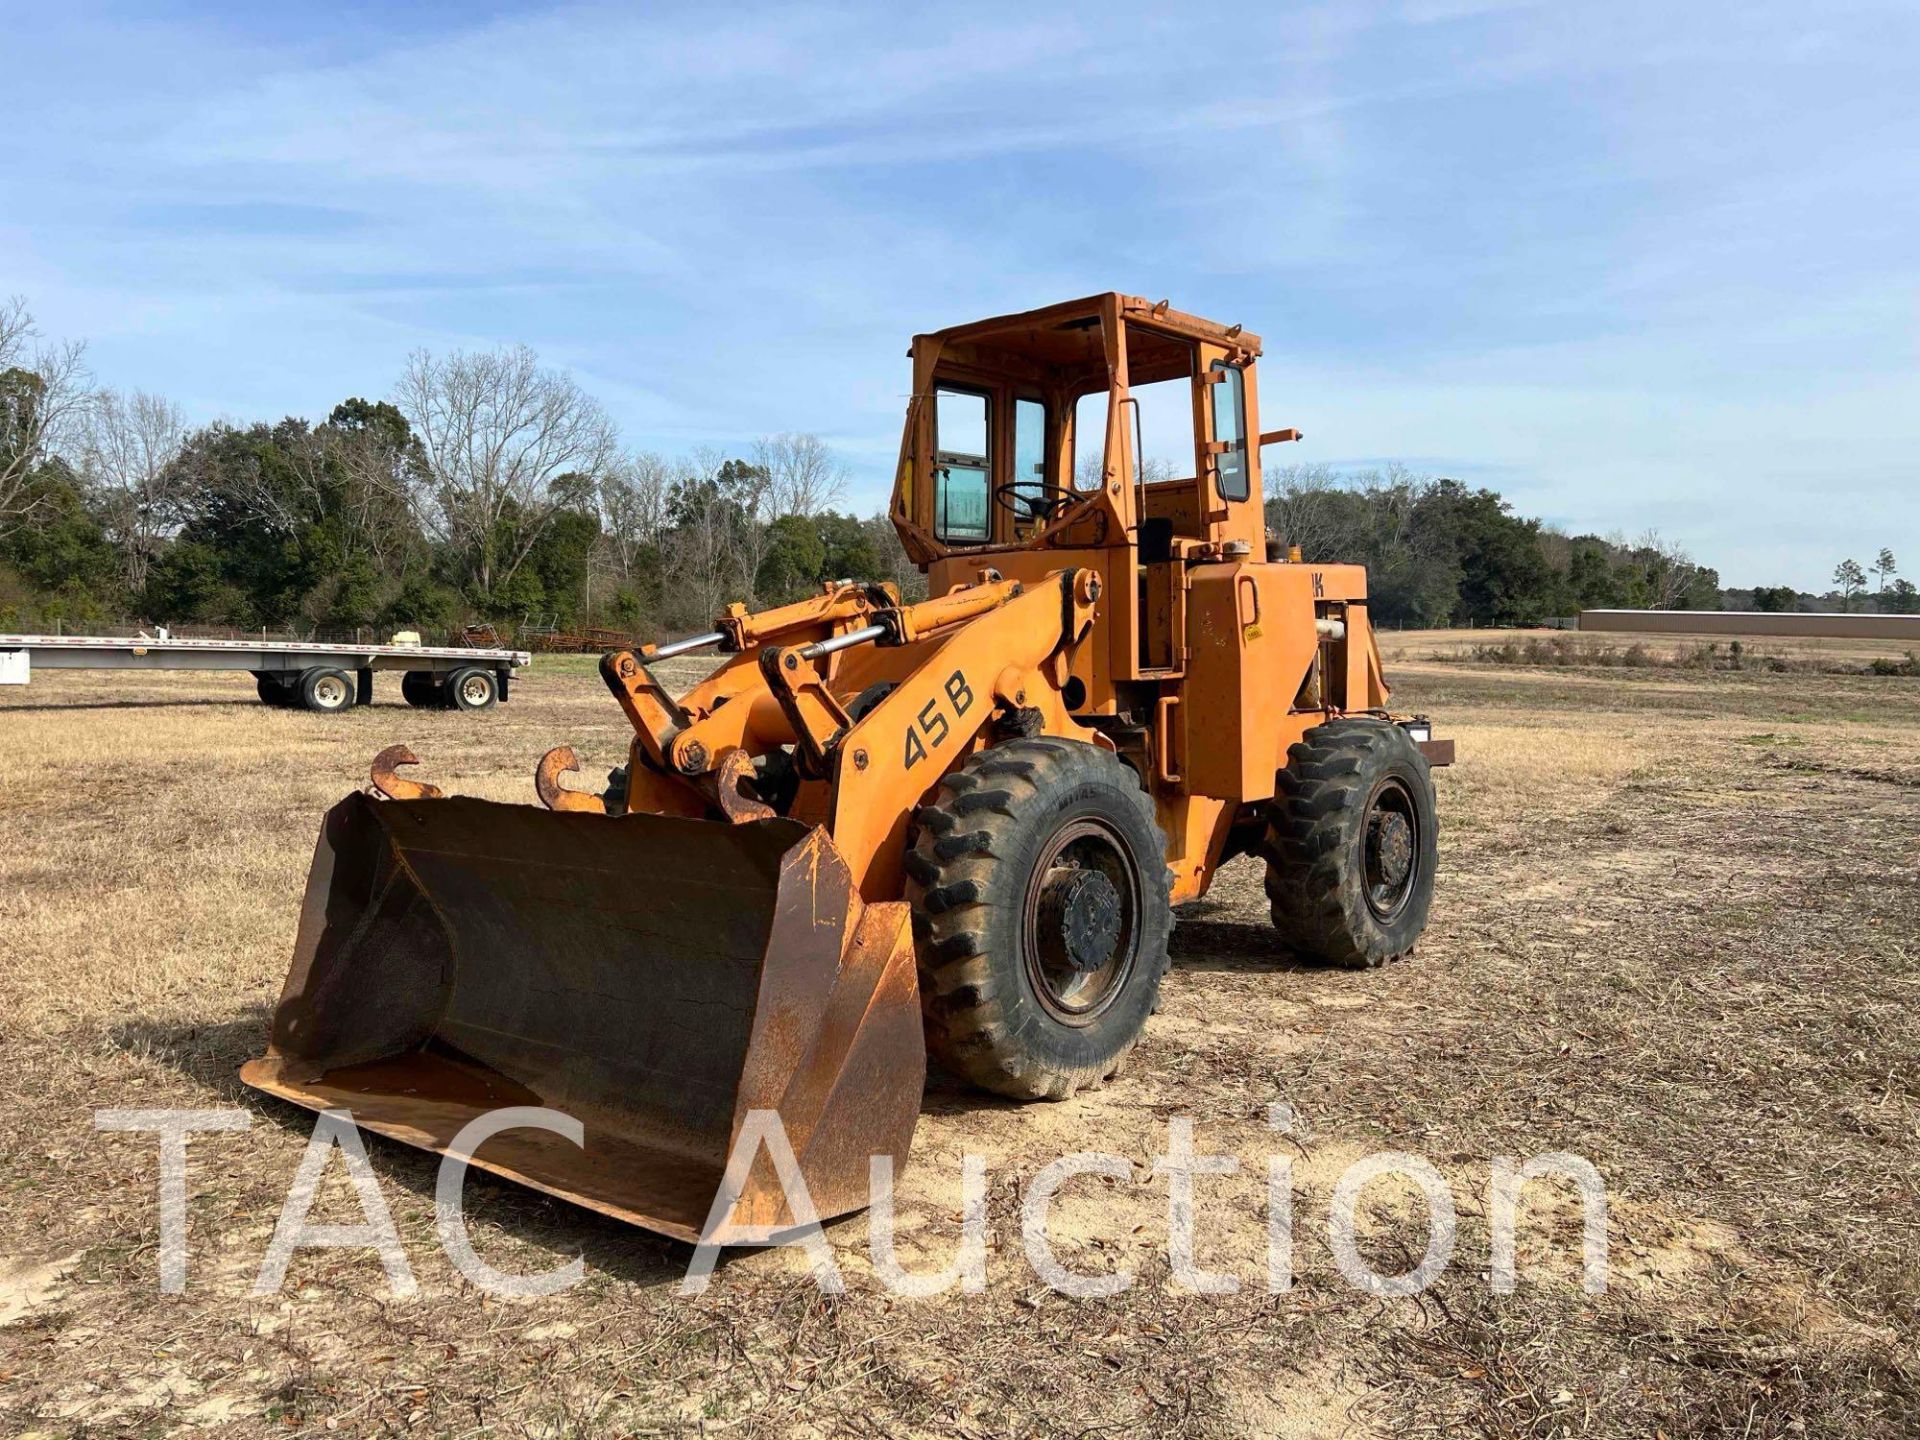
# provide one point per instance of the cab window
(1090, 440)
(1162, 429)
(962, 463)
(1029, 442)
(1230, 430)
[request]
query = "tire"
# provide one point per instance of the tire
(858, 707)
(326, 691)
(1352, 844)
(1041, 908)
(472, 689)
(275, 691)
(616, 792)
(422, 690)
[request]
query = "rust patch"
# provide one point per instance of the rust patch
(561, 760)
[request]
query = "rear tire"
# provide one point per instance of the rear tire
(472, 689)
(422, 690)
(280, 692)
(1041, 910)
(1352, 844)
(325, 690)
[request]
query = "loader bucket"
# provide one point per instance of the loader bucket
(655, 977)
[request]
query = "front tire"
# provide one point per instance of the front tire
(1041, 909)
(1352, 844)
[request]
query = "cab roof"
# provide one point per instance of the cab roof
(1063, 334)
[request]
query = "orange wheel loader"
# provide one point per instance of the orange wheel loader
(881, 830)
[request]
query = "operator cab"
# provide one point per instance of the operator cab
(1025, 428)
(1104, 424)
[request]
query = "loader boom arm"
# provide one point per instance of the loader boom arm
(1004, 668)
(948, 667)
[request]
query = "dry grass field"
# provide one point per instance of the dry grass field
(1677, 933)
(1793, 651)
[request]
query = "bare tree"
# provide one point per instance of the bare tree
(1396, 492)
(1090, 469)
(1303, 506)
(1670, 570)
(804, 476)
(631, 499)
(752, 489)
(127, 450)
(895, 564)
(704, 559)
(497, 432)
(44, 388)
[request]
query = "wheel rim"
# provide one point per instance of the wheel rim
(476, 690)
(1392, 842)
(330, 692)
(1082, 921)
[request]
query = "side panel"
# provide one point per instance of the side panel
(1250, 634)
(1095, 665)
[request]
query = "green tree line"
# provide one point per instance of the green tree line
(1439, 552)
(489, 488)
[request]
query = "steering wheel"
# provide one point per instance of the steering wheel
(1033, 499)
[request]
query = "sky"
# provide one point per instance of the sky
(1636, 265)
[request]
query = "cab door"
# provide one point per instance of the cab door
(1229, 484)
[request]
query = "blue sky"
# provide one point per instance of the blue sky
(1634, 264)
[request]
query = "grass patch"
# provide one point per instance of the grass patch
(1707, 655)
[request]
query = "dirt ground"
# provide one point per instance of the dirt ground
(1677, 934)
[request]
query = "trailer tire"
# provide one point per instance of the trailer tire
(1041, 910)
(326, 690)
(422, 690)
(472, 689)
(275, 689)
(1352, 844)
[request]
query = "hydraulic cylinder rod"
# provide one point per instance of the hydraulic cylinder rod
(842, 642)
(681, 647)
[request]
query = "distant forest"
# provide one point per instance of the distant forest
(1442, 553)
(487, 487)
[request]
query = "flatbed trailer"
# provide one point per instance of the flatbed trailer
(291, 674)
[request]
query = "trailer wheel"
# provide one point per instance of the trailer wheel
(326, 690)
(275, 689)
(472, 689)
(1352, 844)
(422, 690)
(1041, 910)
